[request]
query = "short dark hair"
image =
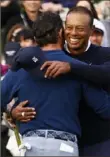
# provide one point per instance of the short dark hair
(46, 28)
(24, 34)
(82, 10)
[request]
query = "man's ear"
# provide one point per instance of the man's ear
(61, 37)
(60, 33)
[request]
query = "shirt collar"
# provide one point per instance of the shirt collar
(66, 47)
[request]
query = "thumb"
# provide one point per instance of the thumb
(24, 103)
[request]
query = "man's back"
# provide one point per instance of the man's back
(55, 100)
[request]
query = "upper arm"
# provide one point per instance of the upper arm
(7, 89)
(99, 74)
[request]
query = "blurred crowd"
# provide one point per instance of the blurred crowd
(17, 18)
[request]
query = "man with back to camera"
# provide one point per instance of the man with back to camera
(77, 38)
(58, 123)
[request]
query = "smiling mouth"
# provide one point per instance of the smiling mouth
(74, 40)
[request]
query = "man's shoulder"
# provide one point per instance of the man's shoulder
(102, 53)
(12, 76)
(58, 55)
(103, 50)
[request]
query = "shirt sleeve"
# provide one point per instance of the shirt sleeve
(8, 89)
(96, 73)
(97, 99)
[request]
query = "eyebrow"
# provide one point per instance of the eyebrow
(73, 25)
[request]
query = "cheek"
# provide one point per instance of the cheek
(100, 38)
(85, 36)
(66, 34)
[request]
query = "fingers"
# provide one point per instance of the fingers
(46, 64)
(57, 73)
(27, 109)
(24, 121)
(27, 116)
(50, 69)
(57, 68)
(30, 113)
(24, 103)
(52, 72)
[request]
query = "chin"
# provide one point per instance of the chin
(75, 47)
(95, 43)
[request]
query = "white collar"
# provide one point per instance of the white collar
(66, 47)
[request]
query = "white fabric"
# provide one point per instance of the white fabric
(13, 147)
(98, 24)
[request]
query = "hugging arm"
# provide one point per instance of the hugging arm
(95, 73)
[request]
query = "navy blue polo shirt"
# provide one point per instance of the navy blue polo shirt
(56, 101)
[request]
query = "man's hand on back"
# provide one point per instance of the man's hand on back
(22, 113)
(55, 68)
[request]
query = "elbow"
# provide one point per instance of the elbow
(105, 115)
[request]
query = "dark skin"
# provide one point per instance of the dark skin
(29, 112)
(55, 68)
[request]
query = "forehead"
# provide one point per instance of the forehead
(77, 19)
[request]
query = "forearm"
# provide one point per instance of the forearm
(95, 73)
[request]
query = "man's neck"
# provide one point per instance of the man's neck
(50, 47)
(78, 51)
(32, 15)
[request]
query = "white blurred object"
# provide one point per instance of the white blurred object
(12, 146)
(23, 147)
(63, 14)
(5, 3)
(3, 62)
(98, 24)
(49, 6)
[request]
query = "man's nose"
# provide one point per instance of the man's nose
(74, 31)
